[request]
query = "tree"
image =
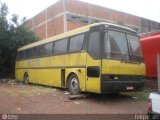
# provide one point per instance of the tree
(13, 35)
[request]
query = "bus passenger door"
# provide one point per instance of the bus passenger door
(93, 65)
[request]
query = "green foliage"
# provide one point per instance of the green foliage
(13, 35)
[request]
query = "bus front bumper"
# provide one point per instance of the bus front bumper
(117, 86)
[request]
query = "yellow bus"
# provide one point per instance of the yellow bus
(99, 58)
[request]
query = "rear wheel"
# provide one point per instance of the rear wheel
(26, 79)
(73, 85)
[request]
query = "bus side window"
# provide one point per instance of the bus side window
(60, 47)
(19, 55)
(76, 43)
(84, 46)
(22, 54)
(94, 45)
(29, 53)
(37, 51)
(42, 50)
(49, 48)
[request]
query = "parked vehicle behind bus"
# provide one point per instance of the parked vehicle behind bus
(150, 48)
(99, 58)
(153, 106)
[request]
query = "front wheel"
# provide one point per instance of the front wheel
(73, 85)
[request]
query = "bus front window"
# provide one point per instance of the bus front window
(134, 45)
(116, 45)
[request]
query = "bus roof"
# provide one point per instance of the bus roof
(73, 32)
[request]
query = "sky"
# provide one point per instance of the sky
(149, 9)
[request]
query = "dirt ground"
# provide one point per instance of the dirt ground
(16, 98)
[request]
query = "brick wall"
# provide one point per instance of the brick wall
(50, 21)
(79, 7)
(41, 17)
(118, 17)
(55, 26)
(41, 31)
(29, 24)
(73, 25)
(46, 24)
(99, 12)
(133, 20)
(55, 9)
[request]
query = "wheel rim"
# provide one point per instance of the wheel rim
(74, 84)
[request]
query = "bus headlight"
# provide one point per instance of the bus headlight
(109, 77)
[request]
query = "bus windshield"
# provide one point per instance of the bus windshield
(134, 45)
(118, 45)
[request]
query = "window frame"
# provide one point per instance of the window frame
(122, 55)
(139, 45)
(126, 32)
(69, 41)
(43, 52)
(44, 49)
(64, 39)
(100, 44)
(133, 57)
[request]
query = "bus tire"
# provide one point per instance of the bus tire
(73, 85)
(26, 79)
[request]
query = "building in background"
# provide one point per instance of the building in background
(66, 15)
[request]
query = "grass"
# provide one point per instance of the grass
(25, 92)
(140, 96)
(41, 90)
(10, 93)
(32, 90)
